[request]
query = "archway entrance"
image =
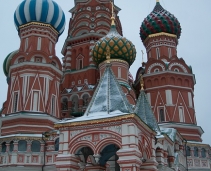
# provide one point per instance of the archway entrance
(109, 157)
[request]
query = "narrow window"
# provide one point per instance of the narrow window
(15, 102)
(26, 44)
(39, 42)
(53, 105)
(56, 145)
(161, 115)
(158, 53)
(169, 52)
(3, 147)
(119, 72)
(65, 104)
(11, 146)
(35, 100)
(190, 99)
(181, 114)
(196, 152)
(188, 151)
(203, 153)
(85, 81)
(168, 97)
(50, 47)
(80, 64)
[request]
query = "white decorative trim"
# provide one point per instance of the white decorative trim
(178, 64)
(153, 65)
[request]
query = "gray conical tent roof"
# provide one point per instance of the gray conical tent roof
(108, 97)
(144, 111)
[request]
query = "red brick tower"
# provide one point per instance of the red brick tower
(90, 21)
(34, 71)
(169, 81)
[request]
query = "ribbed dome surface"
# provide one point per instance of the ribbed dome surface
(43, 11)
(160, 20)
(120, 48)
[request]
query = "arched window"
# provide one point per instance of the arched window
(203, 153)
(188, 151)
(22, 145)
(3, 147)
(65, 104)
(161, 115)
(85, 100)
(56, 145)
(11, 146)
(196, 152)
(75, 104)
(35, 147)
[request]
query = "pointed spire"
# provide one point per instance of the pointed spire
(108, 98)
(144, 111)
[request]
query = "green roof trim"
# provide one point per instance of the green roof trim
(6, 63)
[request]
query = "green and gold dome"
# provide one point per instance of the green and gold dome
(6, 64)
(119, 48)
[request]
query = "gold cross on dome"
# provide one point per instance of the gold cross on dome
(142, 82)
(157, 0)
(112, 15)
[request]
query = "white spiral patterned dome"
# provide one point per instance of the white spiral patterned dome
(42, 11)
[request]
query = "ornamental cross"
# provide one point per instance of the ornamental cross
(142, 82)
(112, 8)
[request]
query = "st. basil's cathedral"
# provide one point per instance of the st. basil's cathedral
(87, 112)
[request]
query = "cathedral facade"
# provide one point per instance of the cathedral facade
(87, 112)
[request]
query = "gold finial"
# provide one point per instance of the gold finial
(108, 55)
(112, 15)
(157, 1)
(142, 56)
(142, 82)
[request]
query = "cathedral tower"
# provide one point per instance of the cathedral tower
(34, 71)
(169, 81)
(90, 21)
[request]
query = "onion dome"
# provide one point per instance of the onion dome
(41, 11)
(160, 20)
(6, 64)
(118, 46)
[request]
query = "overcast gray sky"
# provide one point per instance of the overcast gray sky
(194, 45)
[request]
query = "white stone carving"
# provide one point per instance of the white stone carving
(153, 65)
(178, 64)
(117, 129)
